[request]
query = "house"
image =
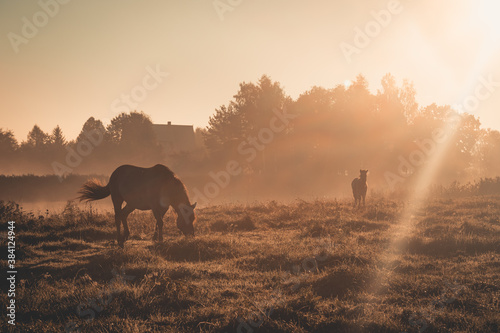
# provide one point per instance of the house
(175, 138)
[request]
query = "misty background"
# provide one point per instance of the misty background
(385, 86)
(264, 144)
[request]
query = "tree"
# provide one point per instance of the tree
(91, 127)
(393, 100)
(466, 139)
(317, 124)
(257, 103)
(134, 128)
(390, 89)
(226, 128)
(132, 138)
(8, 143)
(199, 137)
(487, 157)
(251, 110)
(407, 95)
(8, 151)
(37, 139)
(57, 138)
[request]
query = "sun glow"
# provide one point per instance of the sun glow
(489, 11)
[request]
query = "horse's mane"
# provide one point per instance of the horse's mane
(179, 190)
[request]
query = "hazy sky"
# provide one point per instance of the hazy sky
(86, 55)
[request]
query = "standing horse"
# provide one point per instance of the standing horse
(156, 188)
(359, 188)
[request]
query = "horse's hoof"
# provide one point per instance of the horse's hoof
(121, 243)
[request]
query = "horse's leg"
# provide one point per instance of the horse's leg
(117, 205)
(155, 236)
(125, 213)
(159, 224)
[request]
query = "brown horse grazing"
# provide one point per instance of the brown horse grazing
(155, 189)
(359, 188)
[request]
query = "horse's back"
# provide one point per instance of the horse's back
(162, 169)
(127, 171)
(130, 177)
(139, 187)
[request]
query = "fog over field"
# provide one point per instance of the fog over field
(250, 166)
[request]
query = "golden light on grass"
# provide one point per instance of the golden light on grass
(405, 226)
(487, 15)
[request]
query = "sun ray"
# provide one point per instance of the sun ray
(406, 223)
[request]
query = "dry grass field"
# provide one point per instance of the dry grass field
(315, 266)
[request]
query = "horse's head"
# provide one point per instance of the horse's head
(185, 219)
(362, 174)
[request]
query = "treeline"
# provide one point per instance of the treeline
(316, 143)
(322, 139)
(129, 138)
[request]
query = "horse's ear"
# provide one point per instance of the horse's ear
(194, 205)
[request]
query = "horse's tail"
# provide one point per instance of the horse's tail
(93, 190)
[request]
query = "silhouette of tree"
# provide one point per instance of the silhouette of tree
(199, 137)
(56, 143)
(89, 127)
(251, 110)
(407, 97)
(37, 139)
(57, 138)
(8, 143)
(316, 129)
(8, 151)
(34, 151)
(225, 130)
(336, 130)
(256, 103)
(133, 138)
(487, 158)
(466, 139)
